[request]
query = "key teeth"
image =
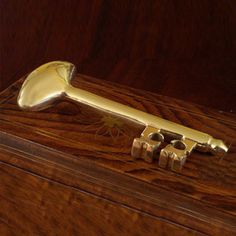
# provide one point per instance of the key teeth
(147, 146)
(177, 163)
(173, 156)
(163, 159)
(144, 149)
(136, 148)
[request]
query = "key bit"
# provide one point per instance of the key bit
(146, 147)
(174, 155)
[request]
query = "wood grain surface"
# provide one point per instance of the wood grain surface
(184, 49)
(44, 207)
(86, 151)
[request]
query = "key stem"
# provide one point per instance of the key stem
(205, 141)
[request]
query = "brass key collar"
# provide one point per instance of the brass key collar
(51, 82)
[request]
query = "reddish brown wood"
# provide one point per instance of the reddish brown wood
(87, 153)
(32, 205)
(184, 49)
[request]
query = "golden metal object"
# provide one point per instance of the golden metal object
(174, 155)
(51, 82)
(146, 147)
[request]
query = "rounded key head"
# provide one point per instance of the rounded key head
(45, 85)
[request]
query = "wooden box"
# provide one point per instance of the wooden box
(67, 170)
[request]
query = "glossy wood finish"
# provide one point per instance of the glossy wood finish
(44, 207)
(72, 150)
(184, 49)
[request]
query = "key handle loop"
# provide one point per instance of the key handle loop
(45, 85)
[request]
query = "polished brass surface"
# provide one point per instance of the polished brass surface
(146, 147)
(51, 81)
(174, 155)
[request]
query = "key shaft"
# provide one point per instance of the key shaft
(205, 141)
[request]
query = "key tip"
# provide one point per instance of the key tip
(218, 145)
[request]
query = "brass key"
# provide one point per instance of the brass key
(51, 82)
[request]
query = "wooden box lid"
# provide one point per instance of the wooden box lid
(90, 150)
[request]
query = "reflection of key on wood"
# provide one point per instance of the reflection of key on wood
(51, 82)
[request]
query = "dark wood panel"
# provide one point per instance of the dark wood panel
(98, 145)
(32, 205)
(185, 49)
